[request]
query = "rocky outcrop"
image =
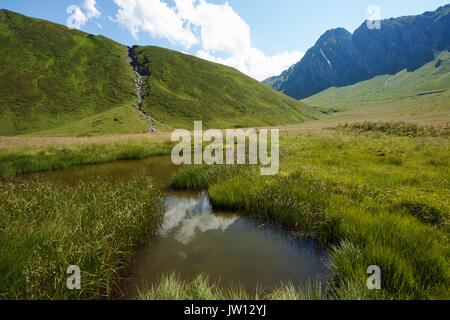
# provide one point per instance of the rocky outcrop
(141, 87)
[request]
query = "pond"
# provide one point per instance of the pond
(194, 238)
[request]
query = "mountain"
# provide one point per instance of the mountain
(432, 78)
(422, 95)
(340, 58)
(57, 81)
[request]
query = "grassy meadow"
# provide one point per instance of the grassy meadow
(364, 169)
(372, 193)
(373, 198)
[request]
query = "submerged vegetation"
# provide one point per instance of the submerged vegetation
(373, 200)
(45, 227)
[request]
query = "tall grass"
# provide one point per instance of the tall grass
(397, 128)
(171, 287)
(347, 191)
(47, 226)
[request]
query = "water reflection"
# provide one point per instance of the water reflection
(196, 239)
(230, 248)
(187, 217)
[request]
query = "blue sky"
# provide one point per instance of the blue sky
(259, 37)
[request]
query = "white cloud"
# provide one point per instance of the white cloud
(155, 17)
(255, 63)
(92, 11)
(216, 28)
(78, 18)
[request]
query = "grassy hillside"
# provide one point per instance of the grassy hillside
(183, 89)
(430, 81)
(57, 81)
(52, 76)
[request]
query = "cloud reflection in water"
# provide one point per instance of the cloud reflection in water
(186, 217)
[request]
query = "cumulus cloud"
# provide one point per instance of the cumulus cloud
(155, 17)
(255, 63)
(91, 10)
(79, 16)
(216, 28)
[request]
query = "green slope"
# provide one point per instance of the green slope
(183, 88)
(57, 81)
(52, 76)
(421, 87)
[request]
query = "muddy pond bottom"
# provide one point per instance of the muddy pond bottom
(229, 248)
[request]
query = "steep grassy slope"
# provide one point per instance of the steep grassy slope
(52, 76)
(183, 89)
(423, 93)
(56, 81)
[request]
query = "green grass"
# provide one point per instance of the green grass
(183, 88)
(47, 226)
(374, 199)
(402, 129)
(123, 119)
(52, 76)
(46, 154)
(171, 287)
(57, 81)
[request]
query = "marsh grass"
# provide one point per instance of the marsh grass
(171, 287)
(404, 129)
(45, 154)
(47, 226)
(338, 187)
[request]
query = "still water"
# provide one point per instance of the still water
(194, 238)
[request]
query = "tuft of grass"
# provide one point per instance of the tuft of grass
(403, 129)
(423, 211)
(45, 227)
(171, 287)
